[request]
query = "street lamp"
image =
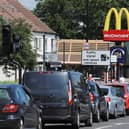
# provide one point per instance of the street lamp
(44, 62)
(63, 54)
(87, 21)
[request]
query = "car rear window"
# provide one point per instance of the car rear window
(120, 91)
(127, 88)
(104, 91)
(4, 95)
(46, 81)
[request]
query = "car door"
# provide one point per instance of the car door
(119, 95)
(30, 114)
(101, 99)
(78, 84)
(114, 98)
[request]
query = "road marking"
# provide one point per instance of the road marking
(104, 127)
(121, 123)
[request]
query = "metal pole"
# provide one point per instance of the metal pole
(44, 62)
(63, 54)
(19, 70)
(87, 20)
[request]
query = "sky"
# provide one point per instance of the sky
(29, 4)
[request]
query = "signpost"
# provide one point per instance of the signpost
(92, 57)
(86, 46)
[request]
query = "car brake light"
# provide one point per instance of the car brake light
(91, 97)
(11, 108)
(70, 101)
(108, 99)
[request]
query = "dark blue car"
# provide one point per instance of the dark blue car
(99, 104)
(17, 109)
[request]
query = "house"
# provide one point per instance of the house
(43, 36)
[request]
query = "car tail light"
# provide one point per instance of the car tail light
(70, 101)
(91, 97)
(11, 108)
(108, 99)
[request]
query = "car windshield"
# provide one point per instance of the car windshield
(4, 95)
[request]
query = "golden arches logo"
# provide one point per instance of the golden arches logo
(117, 34)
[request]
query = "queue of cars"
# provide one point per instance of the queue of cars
(64, 96)
(68, 98)
(60, 97)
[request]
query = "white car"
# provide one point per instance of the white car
(116, 104)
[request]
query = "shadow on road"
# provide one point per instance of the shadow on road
(65, 126)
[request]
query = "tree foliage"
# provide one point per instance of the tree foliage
(77, 18)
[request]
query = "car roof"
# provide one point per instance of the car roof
(6, 86)
(116, 84)
(104, 86)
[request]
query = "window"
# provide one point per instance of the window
(40, 42)
(21, 96)
(127, 88)
(46, 48)
(120, 91)
(76, 80)
(37, 43)
(113, 91)
(4, 95)
(52, 45)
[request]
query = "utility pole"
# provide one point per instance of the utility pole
(44, 62)
(87, 20)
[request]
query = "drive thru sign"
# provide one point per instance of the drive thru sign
(90, 57)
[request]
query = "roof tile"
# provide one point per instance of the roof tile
(12, 9)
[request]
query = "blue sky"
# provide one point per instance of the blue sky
(29, 4)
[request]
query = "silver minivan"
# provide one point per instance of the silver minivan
(115, 103)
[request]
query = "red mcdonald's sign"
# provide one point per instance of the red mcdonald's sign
(117, 34)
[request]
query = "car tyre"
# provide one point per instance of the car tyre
(20, 124)
(76, 121)
(124, 112)
(115, 113)
(106, 115)
(40, 125)
(97, 116)
(89, 122)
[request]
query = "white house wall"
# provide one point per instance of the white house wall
(48, 49)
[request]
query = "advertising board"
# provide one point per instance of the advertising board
(92, 57)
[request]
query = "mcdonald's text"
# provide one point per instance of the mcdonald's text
(116, 35)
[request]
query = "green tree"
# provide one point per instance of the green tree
(26, 57)
(77, 18)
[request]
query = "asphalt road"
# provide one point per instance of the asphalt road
(119, 123)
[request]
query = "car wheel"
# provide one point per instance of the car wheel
(106, 115)
(39, 126)
(20, 124)
(97, 115)
(89, 122)
(115, 113)
(76, 121)
(124, 112)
